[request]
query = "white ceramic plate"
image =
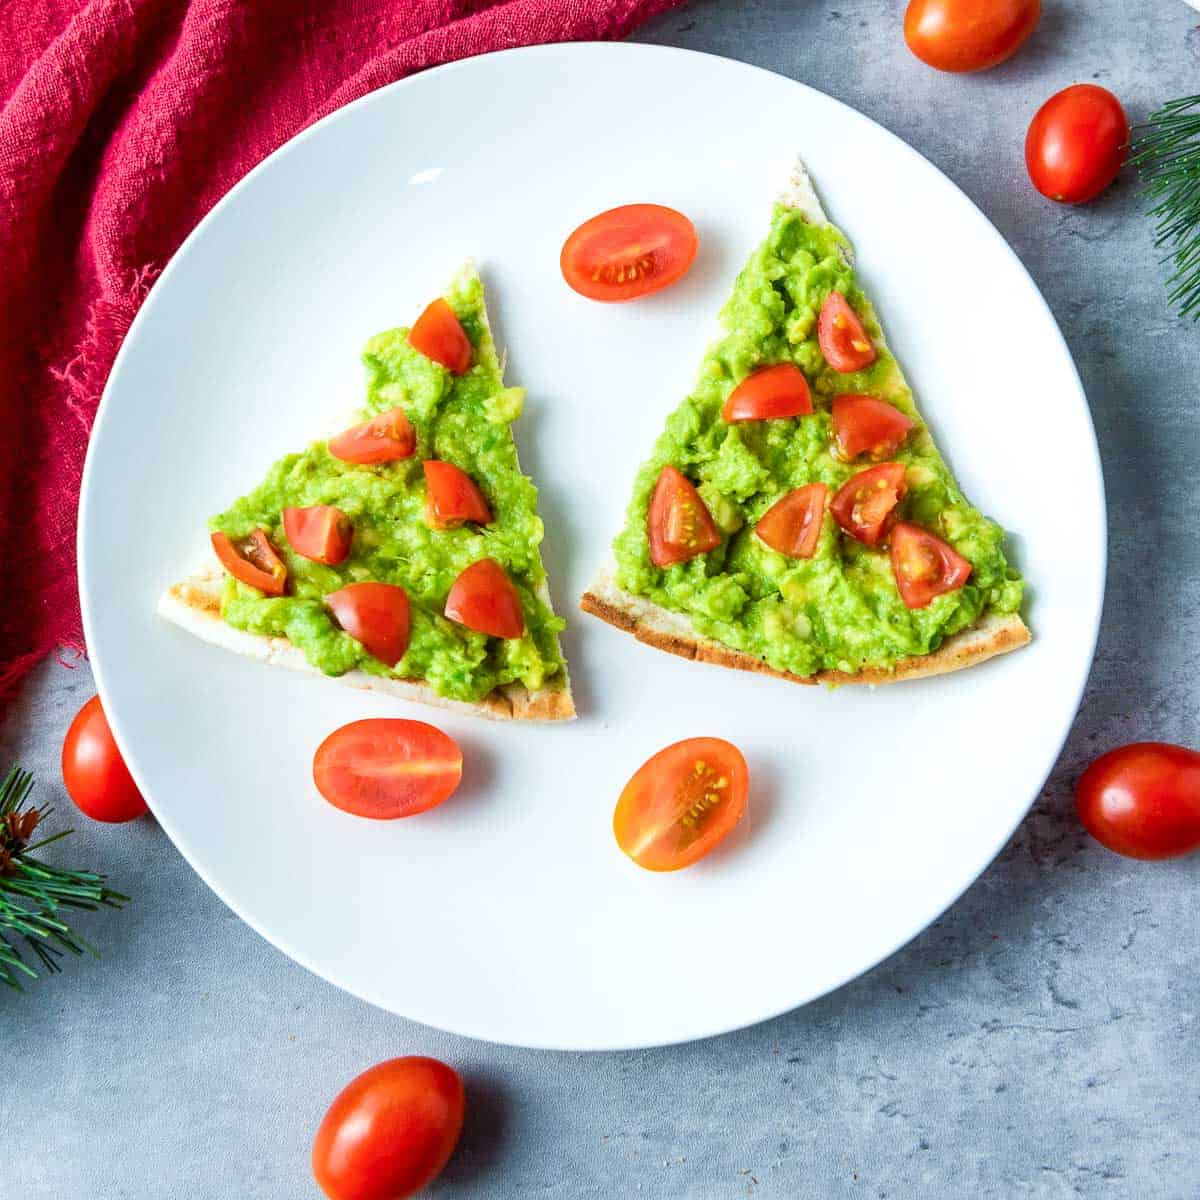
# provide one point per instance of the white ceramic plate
(509, 913)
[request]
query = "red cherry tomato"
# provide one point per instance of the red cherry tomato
(865, 503)
(376, 615)
(969, 35)
(793, 525)
(384, 768)
(681, 803)
(252, 560)
(1077, 143)
(1143, 800)
(770, 393)
(628, 252)
(439, 335)
(678, 522)
(385, 438)
(483, 598)
(389, 1133)
(924, 566)
(451, 497)
(841, 336)
(96, 776)
(322, 533)
(868, 425)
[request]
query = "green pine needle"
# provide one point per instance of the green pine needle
(1166, 152)
(34, 894)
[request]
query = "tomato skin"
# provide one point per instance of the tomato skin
(483, 598)
(1077, 143)
(376, 615)
(1143, 800)
(322, 533)
(451, 497)
(384, 768)
(769, 394)
(678, 523)
(390, 1131)
(865, 504)
(841, 335)
(681, 802)
(792, 525)
(924, 566)
(627, 252)
(94, 772)
(438, 334)
(969, 35)
(868, 425)
(388, 437)
(252, 560)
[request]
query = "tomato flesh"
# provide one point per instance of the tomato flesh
(868, 425)
(376, 615)
(769, 394)
(1077, 143)
(969, 35)
(321, 533)
(483, 598)
(252, 560)
(793, 525)
(451, 497)
(385, 438)
(94, 772)
(1143, 800)
(385, 768)
(678, 523)
(628, 252)
(842, 337)
(864, 505)
(439, 335)
(924, 566)
(681, 802)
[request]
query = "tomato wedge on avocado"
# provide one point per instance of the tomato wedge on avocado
(768, 394)
(375, 614)
(793, 525)
(385, 768)
(385, 438)
(252, 560)
(924, 565)
(439, 335)
(678, 522)
(864, 504)
(483, 598)
(681, 803)
(841, 336)
(321, 533)
(451, 497)
(868, 425)
(628, 252)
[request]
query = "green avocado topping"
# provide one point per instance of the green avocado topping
(839, 610)
(463, 420)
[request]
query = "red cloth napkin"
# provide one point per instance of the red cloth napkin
(123, 122)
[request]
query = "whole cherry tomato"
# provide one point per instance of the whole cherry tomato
(969, 35)
(1077, 143)
(96, 776)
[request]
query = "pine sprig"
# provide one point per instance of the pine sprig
(34, 894)
(1166, 151)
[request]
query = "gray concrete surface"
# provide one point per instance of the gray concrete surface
(1038, 1041)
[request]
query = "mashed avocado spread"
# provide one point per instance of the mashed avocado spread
(839, 610)
(463, 420)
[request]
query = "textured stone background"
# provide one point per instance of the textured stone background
(1038, 1041)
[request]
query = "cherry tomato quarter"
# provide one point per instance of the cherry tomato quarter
(252, 560)
(868, 425)
(924, 566)
(439, 335)
(865, 504)
(388, 437)
(769, 394)
(842, 337)
(321, 533)
(792, 525)
(1077, 143)
(94, 772)
(451, 497)
(969, 35)
(483, 598)
(376, 615)
(678, 523)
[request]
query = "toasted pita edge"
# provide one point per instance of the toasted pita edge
(195, 605)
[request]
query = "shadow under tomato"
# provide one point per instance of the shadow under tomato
(766, 794)
(481, 1146)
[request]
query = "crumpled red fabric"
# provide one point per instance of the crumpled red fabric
(123, 122)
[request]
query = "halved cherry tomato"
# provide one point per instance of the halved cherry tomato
(969, 35)
(678, 522)
(385, 438)
(841, 336)
(868, 425)
(451, 497)
(252, 560)
(439, 335)
(1143, 800)
(768, 394)
(793, 525)
(628, 252)
(865, 503)
(483, 598)
(681, 803)
(322, 533)
(385, 768)
(924, 566)
(94, 772)
(376, 615)
(1077, 143)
